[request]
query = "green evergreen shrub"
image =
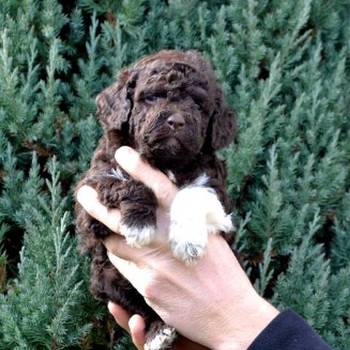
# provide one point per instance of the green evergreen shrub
(285, 68)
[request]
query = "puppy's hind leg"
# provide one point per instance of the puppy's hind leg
(160, 336)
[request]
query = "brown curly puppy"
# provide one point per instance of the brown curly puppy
(170, 108)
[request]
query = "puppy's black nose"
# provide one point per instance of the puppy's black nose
(176, 121)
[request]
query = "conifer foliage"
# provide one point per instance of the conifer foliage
(285, 68)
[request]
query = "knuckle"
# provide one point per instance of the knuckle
(115, 245)
(151, 289)
(165, 194)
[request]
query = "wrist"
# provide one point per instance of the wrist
(246, 326)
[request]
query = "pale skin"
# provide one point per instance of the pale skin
(211, 303)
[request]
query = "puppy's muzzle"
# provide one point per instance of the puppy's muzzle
(175, 121)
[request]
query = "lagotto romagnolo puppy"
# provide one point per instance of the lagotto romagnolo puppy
(171, 109)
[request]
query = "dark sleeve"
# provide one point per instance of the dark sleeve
(288, 331)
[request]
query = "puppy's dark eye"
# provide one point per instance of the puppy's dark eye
(154, 97)
(198, 102)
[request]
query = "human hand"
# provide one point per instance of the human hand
(211, 302)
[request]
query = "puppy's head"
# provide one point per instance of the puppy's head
(169, 106)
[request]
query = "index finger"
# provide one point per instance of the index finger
(88, 199)
(157, 181)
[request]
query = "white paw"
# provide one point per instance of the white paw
(136, 236)
(196, 212)
(162, 340)
(188, 239)
(188, 252)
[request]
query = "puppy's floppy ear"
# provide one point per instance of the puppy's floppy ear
(114, 103)
(222, 124)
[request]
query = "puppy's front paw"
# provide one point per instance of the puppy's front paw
(138, 213)
(196, 212)
(138, 236)
(188, 240)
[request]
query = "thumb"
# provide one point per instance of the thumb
(137, 331)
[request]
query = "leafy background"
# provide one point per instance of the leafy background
(285, 69)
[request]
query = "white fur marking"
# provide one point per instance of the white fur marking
(171, 176)
(117, 174)
(200, 181)
(196, 212)
(138, 237)
(163, 340)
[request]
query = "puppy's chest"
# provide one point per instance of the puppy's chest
(180, 179)
(188, 175)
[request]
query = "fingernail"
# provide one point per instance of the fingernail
(127, 157)
(110, 306)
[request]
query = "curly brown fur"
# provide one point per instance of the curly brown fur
(170, 107)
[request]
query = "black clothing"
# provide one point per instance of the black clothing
(288, 331)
